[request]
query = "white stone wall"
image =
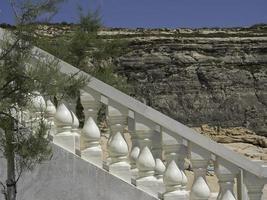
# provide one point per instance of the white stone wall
(67, 177)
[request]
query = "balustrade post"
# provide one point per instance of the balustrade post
(173, 182)
(76, 132)
(91, 104)
(140, 136)
(254, 186)
(159, 169)
(64, 122)
(50, 114)
(117, 146)
(146, 176)
(37, 109)
(91, 135)
(200, 159)
(156, 142)
(135, 149)
(174, 152)
(226, 173)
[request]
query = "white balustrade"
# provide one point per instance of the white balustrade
(76, 133)
(91, 141)
(175, 151)
(146, 170)
(50, 112)
(91, 133)
(140, 135)
(145, 127)
(38, 102)
(133, 158)
(146, 177)
(254, 186)
(64, 122)
(117, 162)
(37, 108)
(200, 159)
(135, 150)
(226, 173)
(159, 168)
(173, 182)
(91, 104)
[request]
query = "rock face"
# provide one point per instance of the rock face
(196, 76)
(233, 135)
(215, 77)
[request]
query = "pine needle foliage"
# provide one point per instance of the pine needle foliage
(24, 75)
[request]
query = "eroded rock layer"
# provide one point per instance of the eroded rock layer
(196, 76)
(217, 77)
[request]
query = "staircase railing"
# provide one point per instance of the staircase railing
(149, 149)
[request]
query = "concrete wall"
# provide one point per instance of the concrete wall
(67, 177)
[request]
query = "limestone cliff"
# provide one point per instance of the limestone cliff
(196, 76)
(204, 76)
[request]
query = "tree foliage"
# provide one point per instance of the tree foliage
(24, 76)
(84, 48)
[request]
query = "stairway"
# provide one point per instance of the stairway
(149, 164)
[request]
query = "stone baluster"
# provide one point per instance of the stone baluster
(146, 170)
(159, 169)
(146, 177)
(50, 114)
(37, 109)
(38, 103)
(133, 157)
(174, 151)
(135, 148)
(117, 162)
(76, 132)
(226, 174)
(156, 142)
(91, 140)
(254, 186)
(200, 159)
(64, 122)
(140, 137)
(91, 104)
(173, 182)
(91, 135)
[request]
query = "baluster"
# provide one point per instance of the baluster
(50, 114)
(140, 135)
(91, 104)
(175, 151)
(226, 174)
(146, 177)
(254, 186)
(135, 150)
(156, 149)
(146, 170)
(159, 169)
(200, 160)
(91, 140)
(37, 110)
(117, 146)
(91, 135)
(64, 121)
(173, 182)
(156, 142)
(133, 159)
(76, 132)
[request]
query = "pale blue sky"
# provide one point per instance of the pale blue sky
(163, 13)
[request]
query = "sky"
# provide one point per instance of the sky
(162, 13)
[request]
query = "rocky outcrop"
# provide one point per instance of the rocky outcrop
(232, 135)
(214, 77)
(196, 76)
